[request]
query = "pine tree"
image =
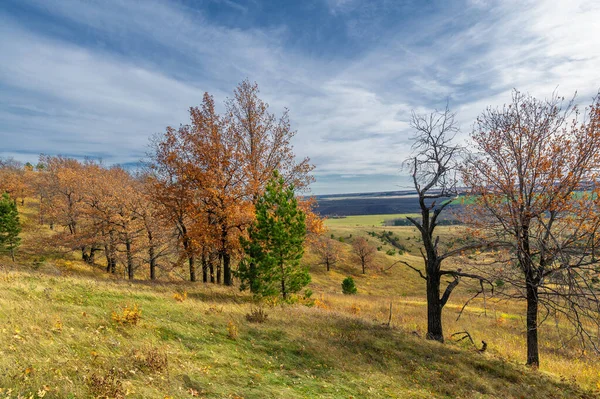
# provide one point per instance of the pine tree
(275, 244)
(9, 226)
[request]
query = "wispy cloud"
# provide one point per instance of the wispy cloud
(99, 78)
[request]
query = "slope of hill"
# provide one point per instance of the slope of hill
(67, 330)
(59, 338)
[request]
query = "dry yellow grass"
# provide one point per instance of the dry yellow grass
(58, 337)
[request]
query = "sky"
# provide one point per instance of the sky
(99, 78)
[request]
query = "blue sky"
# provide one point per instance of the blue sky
(98, 78)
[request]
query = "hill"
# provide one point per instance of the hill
(69, 330)
(59, 339)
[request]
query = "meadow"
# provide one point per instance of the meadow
(70, 330)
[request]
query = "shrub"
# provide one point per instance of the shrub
(232, 330)
(499, 283)
(127, 315)
(348, 286)
(257, 315)
(180, 296)
(307, 293)
(150, 359)
(108, 385)
(390, 252)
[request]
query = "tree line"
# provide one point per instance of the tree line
(191, 203)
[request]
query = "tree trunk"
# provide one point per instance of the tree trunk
(283, 290)
(219, 268)
(152, 256)
(533, 356)
(252, 277)
(227, 269)
(211, 264)
(107, 255)
(129, 257)
(192, 264)
(204, 268)
(92, 257)
(434, 308)
(12, 254)
(363, 267)
(111, 251)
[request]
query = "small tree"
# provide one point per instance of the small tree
(9, 226)
(364, 252)
(275, 244)
(328, 251)
(348, 286)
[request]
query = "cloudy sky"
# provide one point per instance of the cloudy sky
(98, 78)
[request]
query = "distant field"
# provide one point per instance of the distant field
(366, 220)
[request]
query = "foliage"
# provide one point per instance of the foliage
(257, 315)
(128, 315)
(531, 158)
(9, 225)
(348, 286)
(275, 244)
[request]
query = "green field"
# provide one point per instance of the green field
(365, 220)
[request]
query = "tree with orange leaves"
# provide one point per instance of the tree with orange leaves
(534, 180)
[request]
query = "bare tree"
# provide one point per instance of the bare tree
(434, 167)
(534, 177)
(328, 251)
(364, 252)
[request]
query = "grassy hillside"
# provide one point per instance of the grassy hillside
(59, 339)
(64, 333)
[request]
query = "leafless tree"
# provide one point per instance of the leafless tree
(434, 168)
(328, 251)
(364, 252)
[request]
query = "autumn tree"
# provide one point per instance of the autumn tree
(264, 141)
(364, 252)
(173, 191)
(434, 168)
(276, 243)
(9, 226)
(328, 251)
(533, 174)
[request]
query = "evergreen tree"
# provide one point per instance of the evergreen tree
(275, 244)
(9, 226)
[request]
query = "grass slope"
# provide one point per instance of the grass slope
(58, 340)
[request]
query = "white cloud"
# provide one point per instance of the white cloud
(352, 114)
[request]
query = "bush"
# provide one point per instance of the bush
(180, 296)
(232, 330)
(150, 360)
(108, 385)
(127, 315)
(348, 286)
(257, 315)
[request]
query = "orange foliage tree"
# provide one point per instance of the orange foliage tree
(209, 173)
(533, 175)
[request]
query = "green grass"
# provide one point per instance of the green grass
(58, 336)
(365, 220)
